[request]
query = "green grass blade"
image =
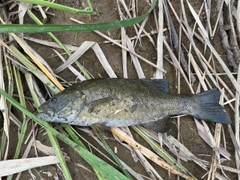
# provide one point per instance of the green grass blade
(29, 79)
(3, 144)
(111, 153)
(72, 135)
(24, 124)
(59, 6)
(59, 154)
(107, 171)
(23, 102)
(17, 28)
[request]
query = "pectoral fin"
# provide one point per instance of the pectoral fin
(98, 127)
(97, 104)
(161, 125)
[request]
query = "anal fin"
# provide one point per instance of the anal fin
(161, 125)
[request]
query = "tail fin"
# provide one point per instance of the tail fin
(209, 109)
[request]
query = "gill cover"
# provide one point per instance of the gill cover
(62, 108)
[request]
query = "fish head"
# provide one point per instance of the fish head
(62, 108)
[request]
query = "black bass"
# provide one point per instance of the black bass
(125, 102)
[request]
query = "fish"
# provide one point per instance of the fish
(116, 102)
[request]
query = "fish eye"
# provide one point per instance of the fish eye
(53, 100)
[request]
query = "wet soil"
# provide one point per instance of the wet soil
(106, 11)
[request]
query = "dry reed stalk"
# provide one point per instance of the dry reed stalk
(81, 50)
(124, 53)
(225, 39)
(216, 154)
(232, 33)
(9, 167)
(192, 45)
(236, 123)
(146, 34)
(137, 156)
(208, 15)
(152, 32)
(103, 60)
(71, 68)
(146, 152)
(128, 43)
(47, 8)
(135, 61)
(123, 47)
(141, 28)
(129, 14)
(124, 43)
(15, 120)
(44, 149)
(185, 154)
(225, 68)
(22, 9)
(197, 70)
(237, 19)
(50, 43)
(219, 79)
(176, 43)
(177, 65)
(182, 24)
(74, 57)
(180, 57)
(160, 38)
(44, 16)
(218, 17)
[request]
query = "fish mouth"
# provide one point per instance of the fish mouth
(45, 114)
(39, 114)
(39, 111)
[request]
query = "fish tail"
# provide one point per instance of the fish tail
(207, 107)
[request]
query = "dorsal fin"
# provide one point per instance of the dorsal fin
(158, 84)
